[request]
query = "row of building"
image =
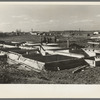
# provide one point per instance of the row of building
(40, 57)
(50, 56)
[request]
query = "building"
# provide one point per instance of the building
(43, 57)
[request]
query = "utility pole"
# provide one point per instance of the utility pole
(41, 39)
(68, 42)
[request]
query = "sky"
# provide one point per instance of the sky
(49, 17)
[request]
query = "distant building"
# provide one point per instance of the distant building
(95, 33)
(33, 33)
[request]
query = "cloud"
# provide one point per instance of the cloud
(25, 18)
(51, 21)
(74, 16)
(23, 22)
(34, 20)
(4, 23)
(20, 16)
(30, 21)
(83, 21)
(98, 15)
(86, 20)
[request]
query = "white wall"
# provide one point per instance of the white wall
(96, 33)
(29, 62)
(97, 58)
(90, 62)
(2, 53)
(50, 47)
(9, 46)
(70, 54)
(90, 52)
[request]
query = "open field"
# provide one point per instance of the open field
(21, 38)
(37, 39)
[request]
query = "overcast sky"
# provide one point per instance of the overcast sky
(49, 17)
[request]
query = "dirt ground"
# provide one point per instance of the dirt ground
(11, 75)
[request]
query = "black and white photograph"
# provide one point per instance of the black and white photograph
(49, 43)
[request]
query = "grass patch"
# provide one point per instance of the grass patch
(22, 38)
(11, 75)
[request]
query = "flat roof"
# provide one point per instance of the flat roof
(17, 50)
(57, 49)
(90, 58)
(50, 58)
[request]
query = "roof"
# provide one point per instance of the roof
(75, 45)
(2, 42)
(90, 58)
(97, 54)
(9, 49)
(47, 59)
(51, 44)
(59, 49)
(93, 42)
(17, 50)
